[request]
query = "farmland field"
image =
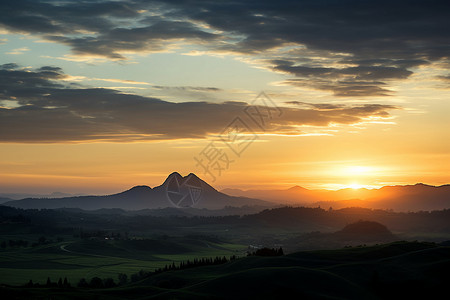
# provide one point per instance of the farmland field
(78, 259)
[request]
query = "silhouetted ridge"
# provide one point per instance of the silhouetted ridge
(297, 188)
(417, 197)
(365, 228)
(172, 179)
(139, 189)
(178, 191)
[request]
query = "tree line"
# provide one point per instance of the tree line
(266, 252)
(122, 279)
(42, 240)
(61, 283)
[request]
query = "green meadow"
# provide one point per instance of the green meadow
(399, 270)
(78, 259)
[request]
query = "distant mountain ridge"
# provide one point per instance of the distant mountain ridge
(191, 191)
(145, 197)
(19, 196)
(400, 198)
(4, 199)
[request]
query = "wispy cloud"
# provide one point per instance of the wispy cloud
(121, 81)
(114, 80)
(18, 51)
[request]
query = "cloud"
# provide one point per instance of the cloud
(350, 48)
(153, 38)
(355, 73)
(18, 51)
(121, 81)
(343, 88)
(348, 81)
(63, 17)
(50, 109)
(188, 88)
(444, 78)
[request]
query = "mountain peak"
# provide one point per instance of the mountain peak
(190, 177)
(193, 175)
(296, 188)
(138, 189)
(170, 177)
(420, 184)
(176, 174)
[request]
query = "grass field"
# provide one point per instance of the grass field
(93, 258)
(400, 270)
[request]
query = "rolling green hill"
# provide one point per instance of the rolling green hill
(76, 259)
(400, 270)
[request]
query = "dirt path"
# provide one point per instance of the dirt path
(63, 248)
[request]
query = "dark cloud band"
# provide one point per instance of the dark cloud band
(378, 41)
(50, 109)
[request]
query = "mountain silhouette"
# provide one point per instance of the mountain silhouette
(176, 191)
(191, 191)
(4, 199)
(400, 198)
(365, 230)
(295, 195)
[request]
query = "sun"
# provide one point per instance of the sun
(355, 186)
(354, 174)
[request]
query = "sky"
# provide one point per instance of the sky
(99, 96)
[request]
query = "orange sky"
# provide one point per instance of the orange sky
(381, 155)
(85, 108)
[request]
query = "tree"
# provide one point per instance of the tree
(267, 252)
(83, 283)
(280, 252)
(109, 283)
(96, 283)
(123, 278)
(142, 274)
(49, 282)
(66, 284)
(134, 277)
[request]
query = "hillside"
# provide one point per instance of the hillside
(400, 270)
(176, 191)
(400, 198)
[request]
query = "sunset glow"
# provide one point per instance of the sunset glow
(358, 170)
(96, 107)
(249, 149)
(355, 186)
